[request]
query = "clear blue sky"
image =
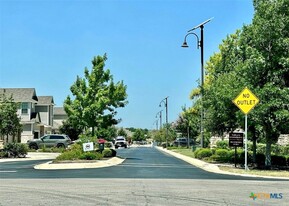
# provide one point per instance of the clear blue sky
(46, 44)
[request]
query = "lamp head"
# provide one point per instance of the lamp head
(185, 45)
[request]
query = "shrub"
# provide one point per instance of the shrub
(2, 154)
(15, 149)
(222, 152)
(69, 155)
(222, 144)
(108, 145)
(276, 149)
(285, 150)
(222, 155)
(57, 149)
(203, 152)
(278, 160)
(214, 158)
(87, 138)
(107, 153)
(231, 156)
(77, 147)
(241, 158)
(260, 160)
(261, 148)
(90, 156)
(113, 152)
(22, 149)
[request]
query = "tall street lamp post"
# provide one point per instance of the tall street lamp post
(165, 102)
(200, 43)
(156, 122)
(160, 113)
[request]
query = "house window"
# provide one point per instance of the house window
(24, 108)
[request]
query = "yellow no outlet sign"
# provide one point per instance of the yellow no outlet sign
(246, 101)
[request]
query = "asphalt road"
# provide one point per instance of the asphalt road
(147, 177)
(140, 162)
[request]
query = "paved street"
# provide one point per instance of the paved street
(147, 177)
(140, 162)
(119, 191)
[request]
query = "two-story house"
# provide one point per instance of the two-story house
(59, 116)
(44, 108)
(35, 112)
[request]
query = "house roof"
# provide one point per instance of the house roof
(59, 111)
(45, 100)
(20, 94)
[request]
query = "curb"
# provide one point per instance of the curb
(211, 167)
(62, 166)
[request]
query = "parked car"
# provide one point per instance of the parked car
(183, 141)
(50, 140)
(120, 142)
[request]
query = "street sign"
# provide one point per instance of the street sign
(236, 139)
(246, 101)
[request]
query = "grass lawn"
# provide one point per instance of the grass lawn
(184, 151)
(273, 173)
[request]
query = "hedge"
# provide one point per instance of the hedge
(203, 153)
(14, 150)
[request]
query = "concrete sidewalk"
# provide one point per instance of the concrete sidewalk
(33, 156)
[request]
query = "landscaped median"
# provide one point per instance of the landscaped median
(71, 158)
(76, 158)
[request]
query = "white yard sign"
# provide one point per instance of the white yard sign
(87, 146)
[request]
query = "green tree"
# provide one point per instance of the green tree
(9, 120)
(138, 135)
(266, 69)
(122, 132)
(222, 82)
(96, 98)
(257, 57)
(71, 130)
(161, 135)
(108, 133)
(188, 119)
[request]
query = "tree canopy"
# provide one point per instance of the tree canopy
(9, 120)
(256, 56)
(96, 97)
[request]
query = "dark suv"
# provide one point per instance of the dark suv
(50, 140)
(182, 142)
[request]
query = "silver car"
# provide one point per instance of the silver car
(50, 140)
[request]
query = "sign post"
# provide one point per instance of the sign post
(246, 101)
